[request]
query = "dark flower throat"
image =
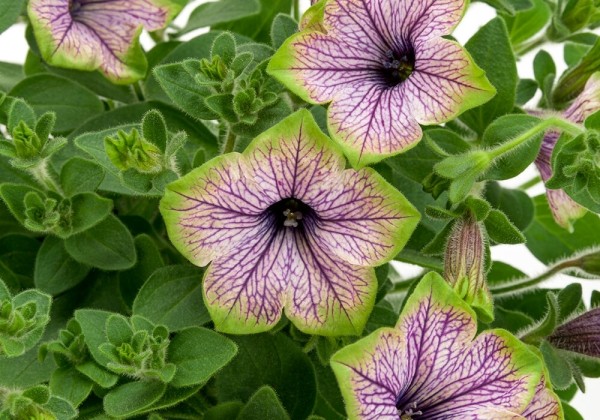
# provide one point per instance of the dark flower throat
(289, 213)
(397, 67)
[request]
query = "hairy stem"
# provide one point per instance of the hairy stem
(528, 283)
(229, 143)
(552, 122)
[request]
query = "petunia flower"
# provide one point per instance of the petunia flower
(285, 226)
(431, 366)
(564, 209)
(384, 68)
(99, 34)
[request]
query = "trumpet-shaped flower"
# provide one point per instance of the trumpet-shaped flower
(564, 209)
(431, 366)
(285, 226)
(99, 34)
(385, 68)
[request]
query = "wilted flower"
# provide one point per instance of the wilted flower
(579, 335)
(286, 226)
(431, 366)
(99, 34)
(564, 209)
(385, 68)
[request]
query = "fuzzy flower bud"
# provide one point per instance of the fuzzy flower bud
(579, 335)
(464, 264)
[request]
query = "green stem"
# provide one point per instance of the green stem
(531, 45)
(402, 285)
(139, 93)
(296, 11)
(527, 283)
(229, 143)
(41, 174)
(312, 343)
(531, 183)
(552, 122)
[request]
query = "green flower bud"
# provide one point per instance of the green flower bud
(27, 143)
(131, 151)
(464, 264)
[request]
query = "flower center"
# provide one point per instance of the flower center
(397, 67)
(74, 6)
(290, 212)
(409, 411)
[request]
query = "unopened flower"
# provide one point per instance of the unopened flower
(99, 34)
(464, 265)
(579, 335)
(564, 209)
(431, 366)
(385, 68)
(285, 226)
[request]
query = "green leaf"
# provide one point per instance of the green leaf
(572, 82)
(264, 404)
(283, 27)
(492, 51)
(132, 397)
(179, 82)
(198, 353)
(548, 324)
(526, 23)
(501, 272)
(544, 71)
(570, 412)
(172, 296)
(61, 408)
(501, 230)
(10, 74)
(512, 321)
(549, 242)
(9, 12)
(258, 27)
(71, 385)
(509, 6)
(330, 404)
(55, 270)
(526, 90)
(92, 324)
(80, 176)
(108, 246)
(72, 103)
(148, 261)
(223, 11)
(87, 211)
(228, 410)
(273, 360)
(516, 161)
(569, 300)
(559, 371)
(516, 204)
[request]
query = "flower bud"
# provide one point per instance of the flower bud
(131, 151)
(464, 264)
(580, 335)
(27, 143)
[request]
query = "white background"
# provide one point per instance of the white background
(13, 48)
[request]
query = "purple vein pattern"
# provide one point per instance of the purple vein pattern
(98, 34)
(431, 366)
(285, 226)
(564, 209)
(579, 335)
(385, 69)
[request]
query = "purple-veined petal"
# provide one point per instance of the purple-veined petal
(431, 363)
(545, 404)
(327, 296)
(445, 82)
(587, 102)
(363, 220)
(98, 34)
(243, 290)
(579, 335)
(294, 159)
(213, 209)
(246, 289)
